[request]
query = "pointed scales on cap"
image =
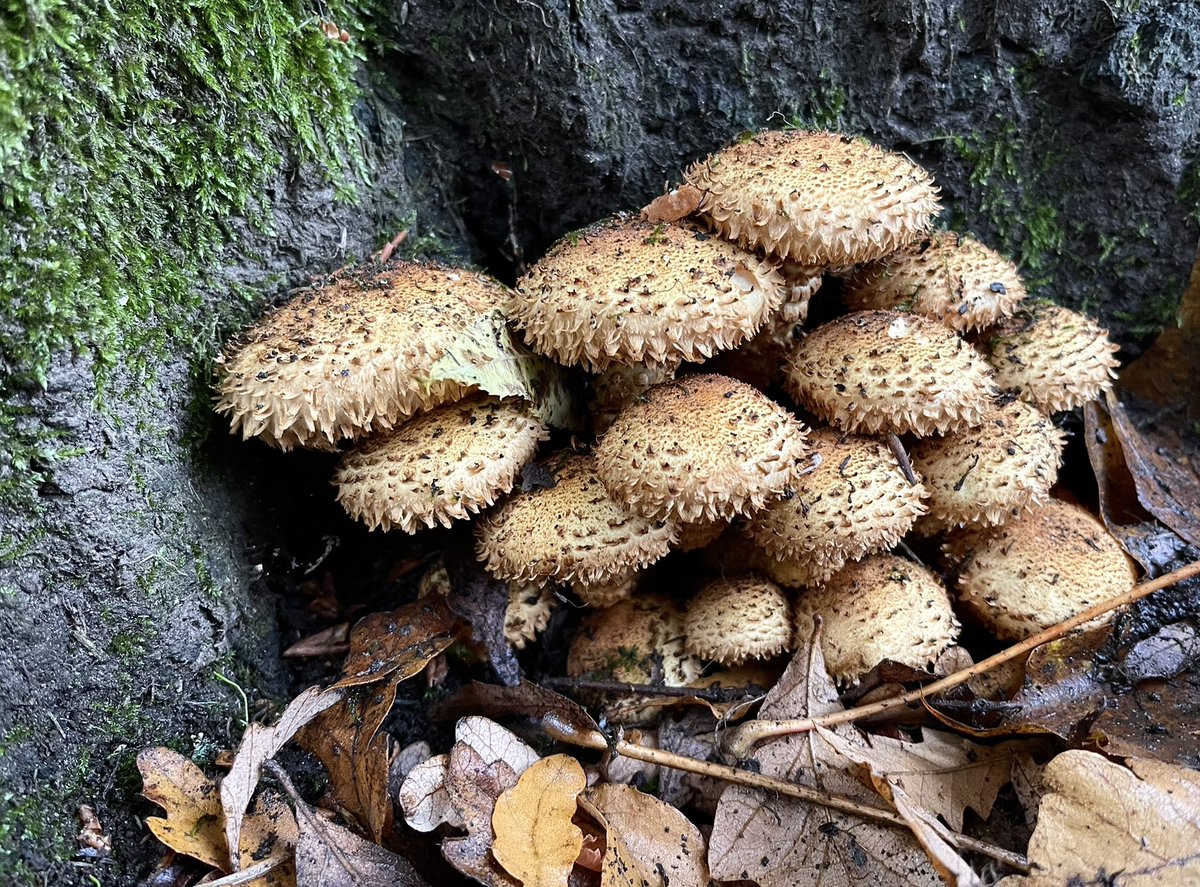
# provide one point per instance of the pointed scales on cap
(889, 371)
(883, 607)
(949, 277)
(1038, 569)
(818, 198)
(732, 620)
(352, 355)
(445, 464)
(1056, 358)
(570, 531)
(702, 446)
(857, 500)
(627, 291)
(981, 475)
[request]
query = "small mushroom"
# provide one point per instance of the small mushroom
(352, 356)
(888, 371)
(857, 500)
(1038, 569)
(618, 386)
(733, 620)
(819, 198)
(883, 607)
(948, 277)
(636, 641)
(1055, 358)
(983, 475)
(700, 447)
(570, 531)
(443, 465)
(627, 292)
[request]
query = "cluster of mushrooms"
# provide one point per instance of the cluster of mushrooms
(923, 409)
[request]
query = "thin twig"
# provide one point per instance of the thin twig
(708, 694)
(897, 447)
(740, 741)
(593, 739)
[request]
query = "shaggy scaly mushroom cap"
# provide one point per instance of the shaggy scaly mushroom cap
(732, 620)
(1038, 569)
(700, 447)
(883, 607)
(440, 466)
(948, 277)
(636, 641)
(818, 198)
(619, 386)
(351, 356)
(888, 371)
(608, 591)
(982, 475)
(856, 501)
(1056, 358)
(632, 292)
(571, 531)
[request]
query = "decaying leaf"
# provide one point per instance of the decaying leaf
(474, 783)
(779, 842)
(328, 855)
(400, 642)
(346, 739)
(526, 700)
(1104, 824)
(674, 205)
(483, 602)
(649, 843)
(261, 743)
(424, 799)
(536, 841)
(486, 357)
(194, 824)
(1080, 689)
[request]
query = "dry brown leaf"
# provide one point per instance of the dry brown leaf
(400, 641)
(347, 741)
(485, 762)
(1103, 824)
(780, 842)
(424, 799)
(650, 843)
(536, 841)
(194, 824)
(931, 833)
(261, 743)
(269, 832)
(328, 855)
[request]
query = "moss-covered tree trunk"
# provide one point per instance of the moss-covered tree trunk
(164, 175)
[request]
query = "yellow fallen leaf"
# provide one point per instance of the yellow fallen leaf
(536, 841)
(1101, 823)
(194, 824)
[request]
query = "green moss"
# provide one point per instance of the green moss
(823, 108)
(1003, 187)
(26, 820)
(129, 136)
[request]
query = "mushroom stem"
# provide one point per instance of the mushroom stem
(741, 741)
(594, 739)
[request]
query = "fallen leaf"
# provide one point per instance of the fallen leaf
(650, 843)
(346, 739)
(194, 824)
(486, 357)
(779, 842)
(269, 832)
(1080, 689)
(1166, 484)
(329, 855)
(1167, 653)
(1103, 824)
(535, 839)
(526, 700)
(930, 832)
(474, 783)
(674, 205)
(424, 799)
(332, 641)
(400, 641)
(483, 602)
(261, 743)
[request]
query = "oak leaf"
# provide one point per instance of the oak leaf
(536, 841)
(1101, 823)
